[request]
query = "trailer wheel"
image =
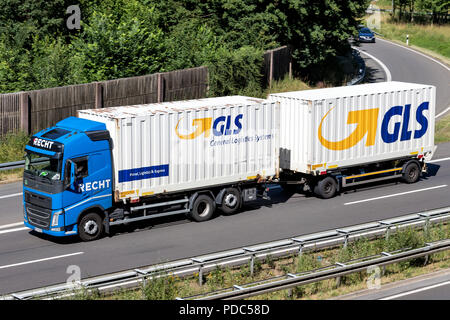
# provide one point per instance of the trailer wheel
(203, 208)
(411, 173)
(231, 201)
(90, 227)
(326, 188)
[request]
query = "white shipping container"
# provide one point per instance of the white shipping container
(176, 146)
(346, 126)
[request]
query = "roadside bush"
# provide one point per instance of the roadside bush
(235, 72)
(162, 288)
(12, 146)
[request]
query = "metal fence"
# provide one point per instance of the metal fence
(336, 270)
(240, 256)
(361, 69)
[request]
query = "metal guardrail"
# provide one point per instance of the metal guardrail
(335, 270)
(20, 164)
(240, 256)
(361, 69)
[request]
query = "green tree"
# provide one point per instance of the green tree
(119, 43)
(21, 20)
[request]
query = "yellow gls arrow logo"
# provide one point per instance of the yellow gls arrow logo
(367, 121)
(202, 124)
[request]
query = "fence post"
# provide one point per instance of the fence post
(271, 69)
(160, 88)
(290, 70)
(200, 275)
(25, 112)
(252, 264)
(98, 95)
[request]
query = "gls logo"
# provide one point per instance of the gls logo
(367, 123)
(221, 126)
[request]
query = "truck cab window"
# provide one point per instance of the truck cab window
(82, 167)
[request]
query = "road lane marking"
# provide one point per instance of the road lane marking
(14, 230)
(442, 113)
(416, 291)
(395, 195)
(11, 195)
(11, 225)
(40, 260)
(386, 70)
(437, 160)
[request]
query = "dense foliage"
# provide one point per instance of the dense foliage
(120, 38)
(433, 11)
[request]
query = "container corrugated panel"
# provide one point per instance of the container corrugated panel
(346, 126)
(176, 146)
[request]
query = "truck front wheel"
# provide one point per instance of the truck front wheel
(326, 188)
(90, 227)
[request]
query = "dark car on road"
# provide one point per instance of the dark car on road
(366, 35)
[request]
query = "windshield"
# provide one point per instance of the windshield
(365, 30)
(43, 166)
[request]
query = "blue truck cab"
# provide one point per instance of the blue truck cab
(68, 179)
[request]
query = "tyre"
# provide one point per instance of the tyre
(412, 173)
(231, 201)
(90, 227)
(326, 188)
(203, 208)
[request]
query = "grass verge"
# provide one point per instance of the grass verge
(12, 147)
(442, 130)
(170, 287)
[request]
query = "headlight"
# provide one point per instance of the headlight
(55, 220)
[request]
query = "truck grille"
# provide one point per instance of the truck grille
(37, 199)
(38, 217)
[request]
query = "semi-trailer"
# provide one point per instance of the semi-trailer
(342, 137)
(117, 165)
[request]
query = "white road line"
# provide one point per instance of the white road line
(14, 230)
(415, 51)
(11, 195)
(438, 160)
(442, 113)
(416, 291)
(11, 225)
(395, 195)
(386, 70)
(40, 260)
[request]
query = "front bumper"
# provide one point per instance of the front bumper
(56, 232)
(366, 39)
(43, 220)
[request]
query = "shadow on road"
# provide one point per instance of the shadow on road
(432, 170)
(373, 74)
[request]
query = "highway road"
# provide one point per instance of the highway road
(410, 66)
(29, 260)
(433, 286)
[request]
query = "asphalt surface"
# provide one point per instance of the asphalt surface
(434, 286)
(409, 66)
(29, 260)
